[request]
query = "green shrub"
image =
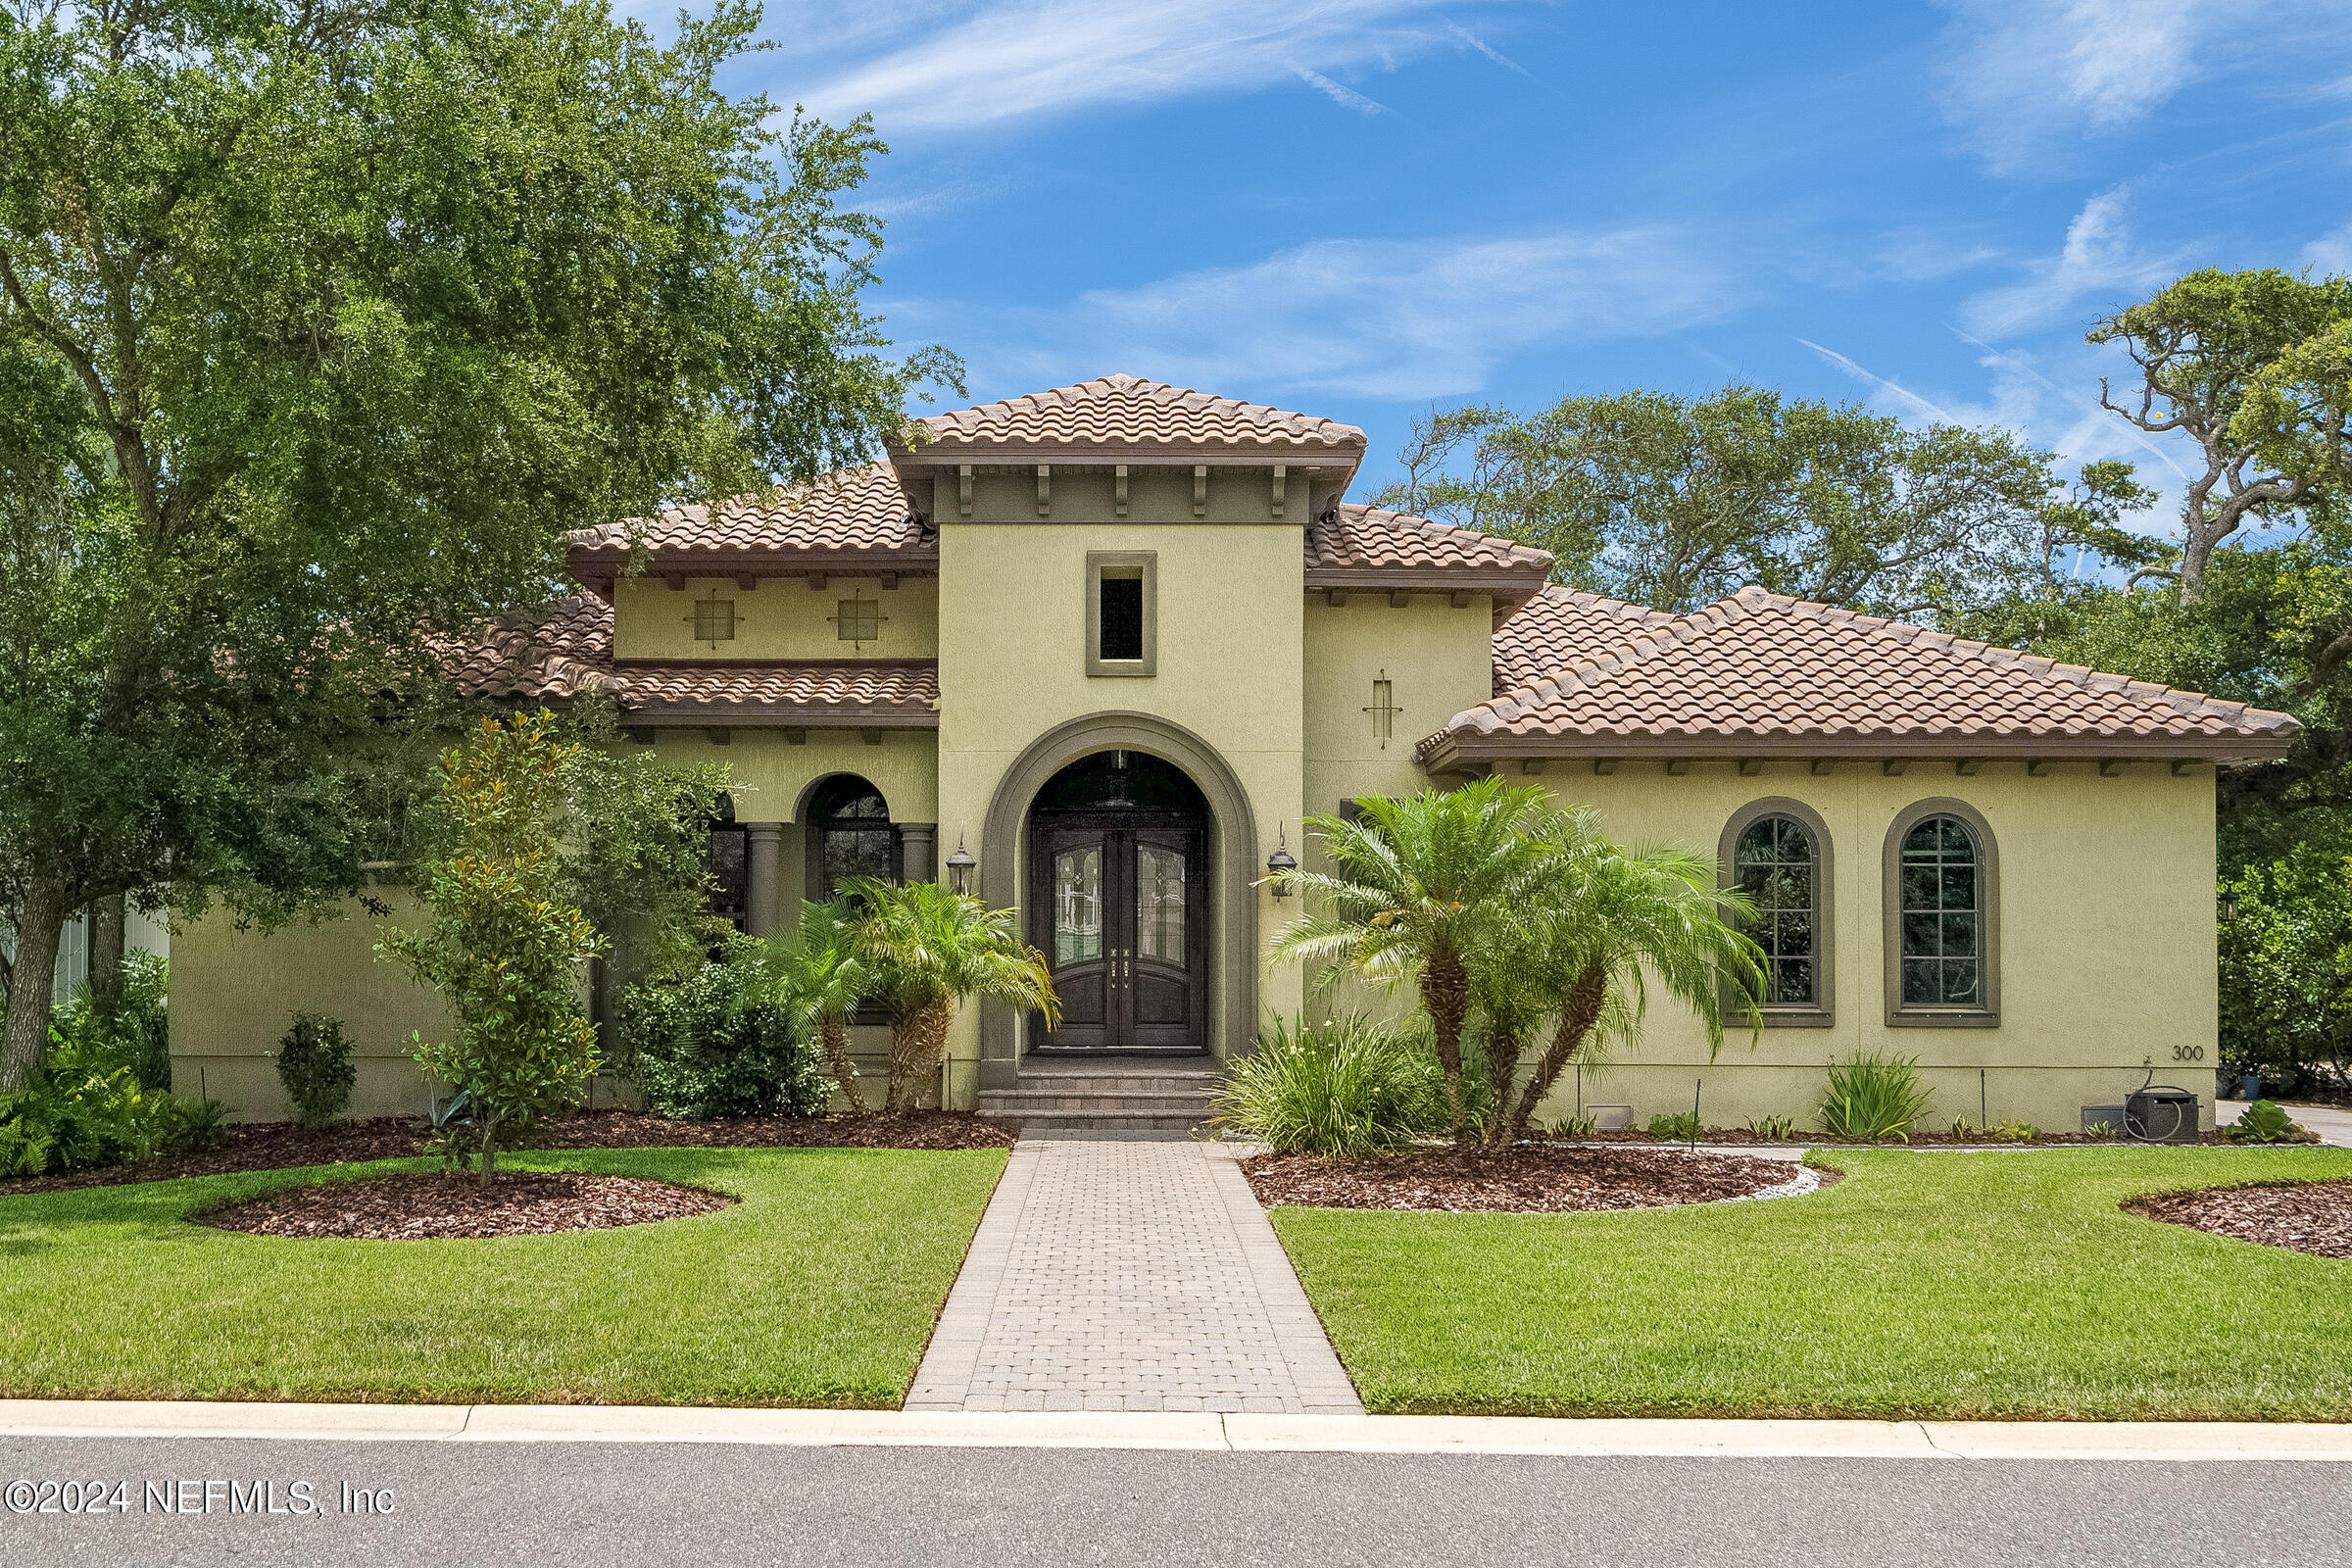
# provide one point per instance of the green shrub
(2267, 1122)
(1349, 1086)
(1874, 1095)
(185, 1125)
(1676, 1127)
(132, 1024)
(1776, 1129)
(1574, 1128)
(314, 1062)
(87, 1109)
(717, 1043)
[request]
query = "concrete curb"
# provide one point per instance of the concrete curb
(2119, 1441)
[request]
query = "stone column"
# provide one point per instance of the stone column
(918, 852)
(764, 899)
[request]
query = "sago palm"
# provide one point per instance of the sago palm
(1603, 923)
(821, 980)
(928, 950)
(1418, 890)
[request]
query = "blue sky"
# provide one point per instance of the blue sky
(1362, 207)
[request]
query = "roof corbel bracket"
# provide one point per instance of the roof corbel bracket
(1895, 767)
(1336, 598)
(2185, 767)
(1399, 599)
(1824, 767)
(795, 735)
(2037, 767)
(1281, 479)
(1045, 489)
(817, 582)
(1605, 765)
(890, 579)
(2111, 767)
(642, 734)
(718, 735)
(1118, 489)
(1750, 767)
(1967, 767)
(1531, 766)
(676, 581)
(746, 581)
(1199, 489)
(1678, 765)
(964, 489)
(1461, 600)
(871, 737)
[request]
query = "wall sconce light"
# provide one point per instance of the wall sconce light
(959, 869)
(2228, 904)
(1280, 864)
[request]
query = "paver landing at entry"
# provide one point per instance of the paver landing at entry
(1128, 1275)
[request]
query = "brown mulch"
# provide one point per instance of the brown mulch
(1532, 1179)
(282, 1145)
(1736, 1137)
(426, 1209)
(2313, 1217)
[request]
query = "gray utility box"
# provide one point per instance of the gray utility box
(2110, 1117)
(2161, 1116)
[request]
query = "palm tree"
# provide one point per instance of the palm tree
(1420, 889)
(929, 949)
(821, 980)
(1603, 923)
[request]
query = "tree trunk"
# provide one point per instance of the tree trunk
(918, 1044)
(1579, 1011)
(40, 924)
(1445, 993)
(106, 919)
(833, 1031)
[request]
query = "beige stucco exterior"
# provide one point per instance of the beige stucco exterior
(1264, 687)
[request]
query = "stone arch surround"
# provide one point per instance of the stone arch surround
(1232, 968)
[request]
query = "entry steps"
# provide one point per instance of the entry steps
(1128, 1096)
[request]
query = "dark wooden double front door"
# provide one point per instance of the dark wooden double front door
(1119, 905)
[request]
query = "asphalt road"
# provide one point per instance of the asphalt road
(584, 1505)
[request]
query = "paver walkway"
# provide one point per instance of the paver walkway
(1128, 1275)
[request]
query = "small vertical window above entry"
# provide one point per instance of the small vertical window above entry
(1122, 618)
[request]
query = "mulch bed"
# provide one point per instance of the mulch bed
(1532, 1179)
(1735, 1137)
(2313, 1217)
(424, 1209)
(281, 1146)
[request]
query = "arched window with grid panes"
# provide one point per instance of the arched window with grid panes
(1942, 893)
(1777, 852)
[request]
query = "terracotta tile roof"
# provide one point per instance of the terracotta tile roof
(567, 649)
(1355, 546)
(1123, 411)
(1756, 673)
(1561, 626)
(855, 511)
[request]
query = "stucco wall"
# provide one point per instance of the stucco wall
(2106, 941)
(781, 619)
(1438, 660)
(769, 775)
(1013, 662)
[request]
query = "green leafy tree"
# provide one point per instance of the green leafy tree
(823, 977)
(320, 324)
(505, 941)
(2248, 366)
(1419, 891)
(2286, 970)
(638, 862)
(929, 950)
(1675, 502)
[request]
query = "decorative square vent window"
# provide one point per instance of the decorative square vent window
(714, 620)
(858, 620)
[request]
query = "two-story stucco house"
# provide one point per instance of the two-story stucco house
(1100, 650)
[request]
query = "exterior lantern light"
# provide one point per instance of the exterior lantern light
(2228, 904)
(959, 869)
(1280, 864)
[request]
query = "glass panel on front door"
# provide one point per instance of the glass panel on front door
(1078, 906)
(1160, 903)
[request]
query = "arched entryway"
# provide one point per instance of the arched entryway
(1118, 902)
(1230, 918)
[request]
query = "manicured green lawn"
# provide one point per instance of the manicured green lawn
(1923, 1285)
(819, 1288)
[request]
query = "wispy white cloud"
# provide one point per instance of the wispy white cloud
(1888, 392)
(1489, 50)
(1345, 97)
(947, 67)
(2331, 253)
(1380, 318)
(2099, 258)
(1918, 253)
(2022, 79)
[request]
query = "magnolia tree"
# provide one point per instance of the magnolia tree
(507, 937)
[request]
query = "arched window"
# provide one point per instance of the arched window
(1940, 905)
(850, 835)
(731, 855)
(1777, 852)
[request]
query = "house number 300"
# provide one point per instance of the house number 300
(2189, 1052)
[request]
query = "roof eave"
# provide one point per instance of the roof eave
(778, 715)
(1454, 747)
(1514, 588)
